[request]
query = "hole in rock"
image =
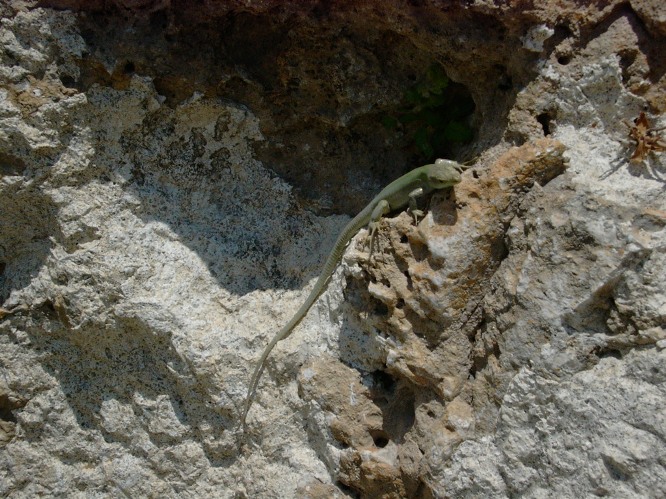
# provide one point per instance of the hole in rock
(383, 381)
(564, 59)
(380, 438)
(7, 415)
(11, 165)
(129, 68)
(545, 120)
(616, 354)
(381, 308)
(68, 81)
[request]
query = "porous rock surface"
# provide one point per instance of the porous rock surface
(172, 177)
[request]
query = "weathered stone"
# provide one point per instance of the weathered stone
(172, 177)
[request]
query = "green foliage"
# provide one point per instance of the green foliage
(434, 114)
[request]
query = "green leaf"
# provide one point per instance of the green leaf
(457, 132)
(422, 142)
(435, 100)
(413, 96)
(433, 117)
(461, 108)
(389, 122)
(409, 118)
(437, 78)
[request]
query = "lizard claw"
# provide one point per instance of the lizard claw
(372, 227)
(416, 214)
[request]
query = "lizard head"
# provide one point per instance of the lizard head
(444, 173)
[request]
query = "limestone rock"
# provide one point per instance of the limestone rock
(172, 177)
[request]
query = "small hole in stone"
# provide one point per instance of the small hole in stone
(505, 83)
(474, 174)
(545, 119)
(400, 304)
(616, 354)
(564, 59)
(6, 408)
(384, 381)
(380, 438)
(346, 488)
(403, 239)
(409, 279)
(381, 309)
(129, 68)
(67, 81)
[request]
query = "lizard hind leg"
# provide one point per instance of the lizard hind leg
(380, 210)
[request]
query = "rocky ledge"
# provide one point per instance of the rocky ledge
(172, 177)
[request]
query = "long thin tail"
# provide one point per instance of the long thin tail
(348, 232)
(282, 334)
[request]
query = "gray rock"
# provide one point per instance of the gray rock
(170, 183)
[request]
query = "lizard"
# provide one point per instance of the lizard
(403, 191)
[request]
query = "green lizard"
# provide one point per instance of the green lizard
(403, 191)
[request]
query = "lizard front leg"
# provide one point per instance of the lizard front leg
(413, 207)
(380, 210)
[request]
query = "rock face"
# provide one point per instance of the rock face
(171, 179)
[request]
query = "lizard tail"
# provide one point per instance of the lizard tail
(348, 232)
